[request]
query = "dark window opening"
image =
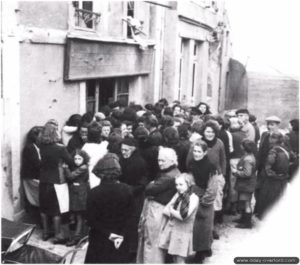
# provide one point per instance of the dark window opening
(130, 13)
(193, 80)
(91, 96)
(123, 90)
(180, 66)
(75, 4)
(195, 49)
(88, 5)
(106, 91)
(83, 18)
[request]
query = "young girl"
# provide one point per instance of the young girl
(78, 189)
(246, 182)
(176, 235)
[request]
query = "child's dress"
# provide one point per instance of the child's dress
(78, 187)
(176, 236)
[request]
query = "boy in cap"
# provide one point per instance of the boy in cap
(243, 116)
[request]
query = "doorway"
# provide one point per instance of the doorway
(106, 91)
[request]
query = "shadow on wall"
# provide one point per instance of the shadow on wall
(236, 93)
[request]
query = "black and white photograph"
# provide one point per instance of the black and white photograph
(150, 132)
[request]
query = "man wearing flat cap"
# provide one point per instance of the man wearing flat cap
(272, 126)
(243, 116)
(264, 147)
(134, 174)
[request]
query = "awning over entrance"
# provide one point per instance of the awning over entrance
(94, 58)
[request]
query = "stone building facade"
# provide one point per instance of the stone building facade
(66, 57)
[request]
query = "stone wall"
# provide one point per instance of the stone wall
(273, 95)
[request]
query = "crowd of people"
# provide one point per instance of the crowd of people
(153, 182)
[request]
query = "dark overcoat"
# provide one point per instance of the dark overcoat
(134, 172)
(204, 222)
(274, 179)
(109, 208)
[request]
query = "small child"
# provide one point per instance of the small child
(78, 188)
(176, 235)
(246, 182)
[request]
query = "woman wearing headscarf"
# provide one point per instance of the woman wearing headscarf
(205, 175)
(52, 200)
(109, 209)
(275, 175)
(158, 193)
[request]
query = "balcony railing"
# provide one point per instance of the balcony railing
(86, 18)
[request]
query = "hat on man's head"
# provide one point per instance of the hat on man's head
(273, 119)
(242, 111)
(129, 141)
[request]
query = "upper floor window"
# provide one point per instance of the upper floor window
(84, 15)
(130, 13)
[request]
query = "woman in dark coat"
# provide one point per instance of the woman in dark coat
(275, 175)
(52, 157)
(134, 171)
(205, 174)
(31, 163)
(158, 193)
(109, 209)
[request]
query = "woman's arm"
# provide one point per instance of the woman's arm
(66, 157)
(211, 192)
(194, 203)
(158, 186)
(76, 173)
(169, 206)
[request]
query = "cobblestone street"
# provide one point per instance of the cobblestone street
(230, 238)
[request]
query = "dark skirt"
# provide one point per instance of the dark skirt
(270, 192)
(78, 197)
(203, 228)
(48, 199)
(102, 250)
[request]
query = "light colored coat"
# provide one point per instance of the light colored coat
(176, 236)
